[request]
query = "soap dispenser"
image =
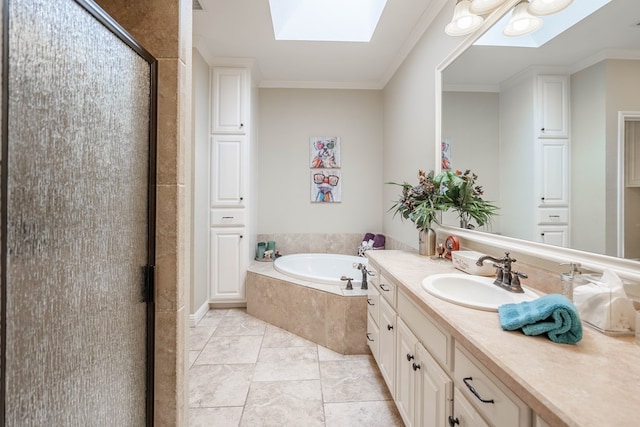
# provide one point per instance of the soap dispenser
(570, 279)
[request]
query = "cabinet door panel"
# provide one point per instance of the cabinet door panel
(434, 391)
(228, 109)
(553, 106)
(405, 374)
(227, 171)
(387, 345)
(227, 266)
(554, 172)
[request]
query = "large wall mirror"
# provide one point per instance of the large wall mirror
(490, 110)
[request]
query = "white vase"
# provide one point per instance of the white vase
(427, 242)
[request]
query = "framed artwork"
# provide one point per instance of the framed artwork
(446, 154)
(326, 186)
(324, 152)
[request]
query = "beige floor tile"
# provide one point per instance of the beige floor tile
(362, 414)
(214, 417)
(275, 337)
(286, 364)
(237, 325)
(325, 355)
(212, 318)
(219, 385)
(284, 403)
(225, 350)
(199, 336)
(352, 381)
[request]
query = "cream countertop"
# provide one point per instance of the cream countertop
(593, 383)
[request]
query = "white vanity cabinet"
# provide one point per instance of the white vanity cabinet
(464, 414)
(229, 183)
(373, 316)
(552, 154)
(387, 351)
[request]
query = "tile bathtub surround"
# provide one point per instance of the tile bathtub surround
(334, 321)
(299, 243)
(287, 381)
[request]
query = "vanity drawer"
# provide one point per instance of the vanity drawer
(501, 406)
(553, 215)
(387, 290)
(373, 303)
(434, 339)
(227, 217)
(373, 336)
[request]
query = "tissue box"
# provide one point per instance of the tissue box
(466, 261)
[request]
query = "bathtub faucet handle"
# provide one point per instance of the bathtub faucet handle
(348, 280)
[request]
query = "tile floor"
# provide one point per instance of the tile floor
(246, 372)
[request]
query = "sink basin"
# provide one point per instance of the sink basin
(472, 291)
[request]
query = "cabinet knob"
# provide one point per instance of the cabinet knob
(415, 367)
(542, 234)
(453, 421)
(409, 357)
(241, 198)
(542, 198)
(241, 236)
(241, 125)
(542, 129)
(389, 327)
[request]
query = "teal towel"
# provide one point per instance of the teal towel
(551, 314)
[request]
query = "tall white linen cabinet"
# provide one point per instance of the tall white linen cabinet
(232, 195)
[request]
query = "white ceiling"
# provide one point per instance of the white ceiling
(243, 29)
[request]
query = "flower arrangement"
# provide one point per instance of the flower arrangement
(461, 194)
(420, 203)
(448, 190)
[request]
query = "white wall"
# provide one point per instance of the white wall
(517, 151)
(409, 118)
(588, 159)
(288, 118)
(623, 94)
(471, 123)
(200, 179)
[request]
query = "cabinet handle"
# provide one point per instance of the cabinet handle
(389, 327)
(453, 421)
(382, 287)
(415, 367)
(409, 357)
(227, 217)
(473, 390)
(369, 302)
(369, 338)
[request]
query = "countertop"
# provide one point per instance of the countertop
(595, 382)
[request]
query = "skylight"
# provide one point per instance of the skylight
(552, 26)
(326, 20)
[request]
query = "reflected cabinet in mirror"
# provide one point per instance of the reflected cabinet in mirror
(553, 132)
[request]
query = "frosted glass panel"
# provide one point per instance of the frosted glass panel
(77, 220)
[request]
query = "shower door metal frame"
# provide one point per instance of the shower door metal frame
(147, 287)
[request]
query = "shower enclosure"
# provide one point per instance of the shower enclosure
(77, 218)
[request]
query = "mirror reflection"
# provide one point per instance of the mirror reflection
(553, 132)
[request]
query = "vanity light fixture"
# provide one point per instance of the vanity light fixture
(522, 22)
(548, 7)
(463, 21)
(480, 7)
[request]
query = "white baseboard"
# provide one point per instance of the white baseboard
(198, 315)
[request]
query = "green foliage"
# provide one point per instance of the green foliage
(448, 190)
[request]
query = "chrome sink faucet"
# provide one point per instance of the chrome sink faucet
(505, 278)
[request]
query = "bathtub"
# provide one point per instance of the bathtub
(321, 268)
(303, 294)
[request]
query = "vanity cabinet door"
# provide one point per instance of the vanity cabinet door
(387, 350)
(228, 112)
(373, 337)
(554, 172)
(228, 266)
(406, 367)
(464, 415)
(434, 391)
(557, 235)
(228, 174)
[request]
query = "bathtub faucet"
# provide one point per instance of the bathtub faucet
(362, 267)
